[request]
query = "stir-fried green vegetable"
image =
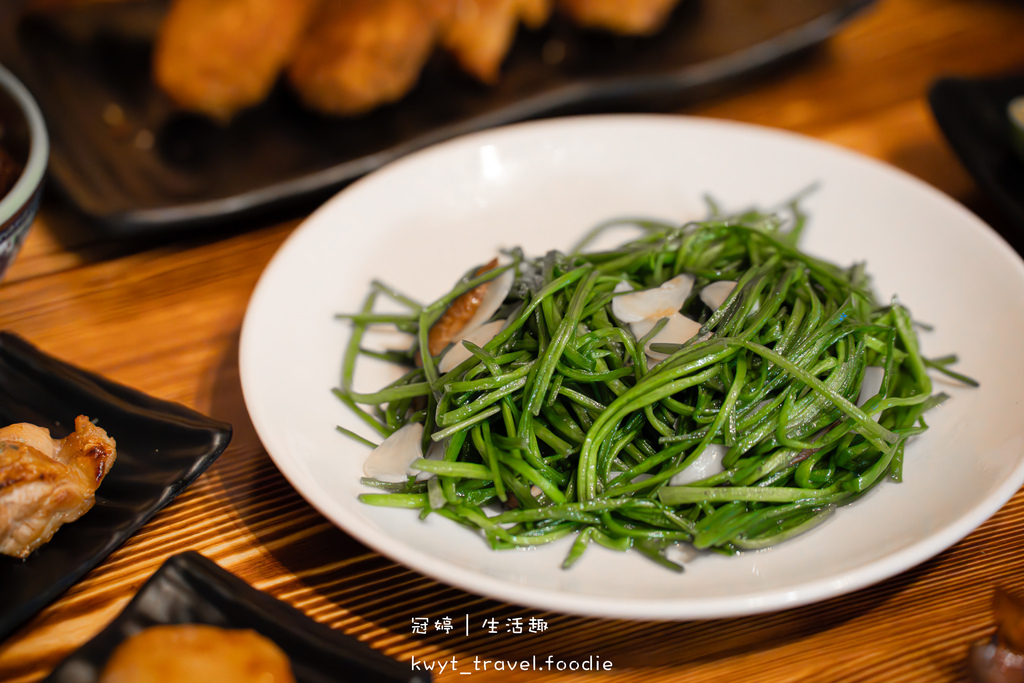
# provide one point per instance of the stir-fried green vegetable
(561, 425)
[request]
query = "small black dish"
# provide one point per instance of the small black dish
(972, 113)
(148, 168)
(161, 448)
(190, 589)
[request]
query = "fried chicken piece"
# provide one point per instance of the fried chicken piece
(197, 652)
(628, 17)
(360, 54)
(46, 482)
(535, 13)
(441, 10)
(480, 32)
(217, 57)
(479, 35)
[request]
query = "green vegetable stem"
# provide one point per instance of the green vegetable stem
(562, 425)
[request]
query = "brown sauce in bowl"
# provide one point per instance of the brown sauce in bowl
(9, 171)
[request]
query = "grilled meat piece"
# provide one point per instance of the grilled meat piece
(46, 482)
(360, 54)
(217, 57)
(627, 17)
(480, 32)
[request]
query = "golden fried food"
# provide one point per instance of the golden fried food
(195, 652)
(347, 57)
(359, 54)
(46, 482)
(480, 32)
(441, 10)
(535, 13)
(628, 17)
(217, 57)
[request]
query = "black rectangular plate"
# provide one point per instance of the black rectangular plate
(191, 589)
(161, 448)
(972, 113)
(277, 155)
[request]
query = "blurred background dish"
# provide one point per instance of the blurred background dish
(131, 160)
(24, 150)
(973, 114)
(191, 589)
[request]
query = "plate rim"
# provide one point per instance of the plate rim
(612, 607)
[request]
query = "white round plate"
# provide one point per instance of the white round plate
(420, 223)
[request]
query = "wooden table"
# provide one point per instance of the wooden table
(164, 316)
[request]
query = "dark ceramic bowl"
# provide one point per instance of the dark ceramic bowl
(25, 142)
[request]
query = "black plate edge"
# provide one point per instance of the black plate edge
(196, 576)
(948, 98)
(18, 352)
(604, 93)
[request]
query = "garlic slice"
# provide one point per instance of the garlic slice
(715, 294)
(656, 303)
(458, 352)
(391, 460)
(643, 309)
(434, 452)
(707, 464)
(871, 384)
(677, 330)
(494, 297)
